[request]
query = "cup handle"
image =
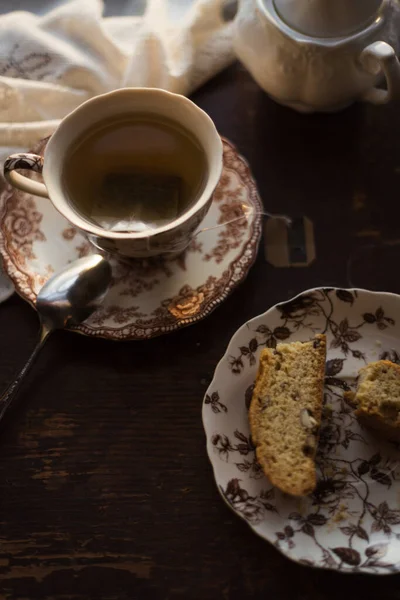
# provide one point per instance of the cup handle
(375, 57)
(33, 162)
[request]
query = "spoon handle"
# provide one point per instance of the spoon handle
(8, 396)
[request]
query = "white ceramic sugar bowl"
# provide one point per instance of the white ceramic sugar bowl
(320, 55)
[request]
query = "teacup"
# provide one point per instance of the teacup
(170, 238)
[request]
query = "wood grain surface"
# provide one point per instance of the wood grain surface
(105, 487)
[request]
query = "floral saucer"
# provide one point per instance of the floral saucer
(351, 523)
(6, 286)
(148, 297)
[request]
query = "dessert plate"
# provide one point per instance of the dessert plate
(351, 523)
(148, 297)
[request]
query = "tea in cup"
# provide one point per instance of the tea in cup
(135, 169)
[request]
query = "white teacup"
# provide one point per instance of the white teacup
(169, 238)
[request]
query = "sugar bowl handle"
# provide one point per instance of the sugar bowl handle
(33, 162)
(375, 57)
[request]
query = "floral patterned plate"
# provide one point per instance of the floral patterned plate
(148, 297)
(351, 523)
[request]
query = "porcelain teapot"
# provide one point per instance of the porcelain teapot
(320, 55)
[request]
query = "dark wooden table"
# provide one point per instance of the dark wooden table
(105, 487)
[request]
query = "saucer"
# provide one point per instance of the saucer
(148, 297)
(6, 286)
(351, 523)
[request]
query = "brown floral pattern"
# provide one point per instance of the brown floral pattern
(148, 297)
(84, 249)
(22, 227)
(243, 445)
(297, 313)
(189, 302)
(351, 522)
(232, 204)
(215, 402)
(69, 233)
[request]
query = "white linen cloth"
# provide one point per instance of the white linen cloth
(50, 64)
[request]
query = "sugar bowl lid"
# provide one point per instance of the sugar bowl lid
(327, 18)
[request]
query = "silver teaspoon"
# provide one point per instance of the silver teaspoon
(67, 299)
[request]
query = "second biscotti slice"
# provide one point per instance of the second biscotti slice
(377, 399)
(285, 413)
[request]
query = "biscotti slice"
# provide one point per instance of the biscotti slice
(377, 399)
(285, 413)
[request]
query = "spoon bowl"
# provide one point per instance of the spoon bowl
(73, 294)
(67, 299)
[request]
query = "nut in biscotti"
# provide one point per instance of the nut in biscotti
(307, 420)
